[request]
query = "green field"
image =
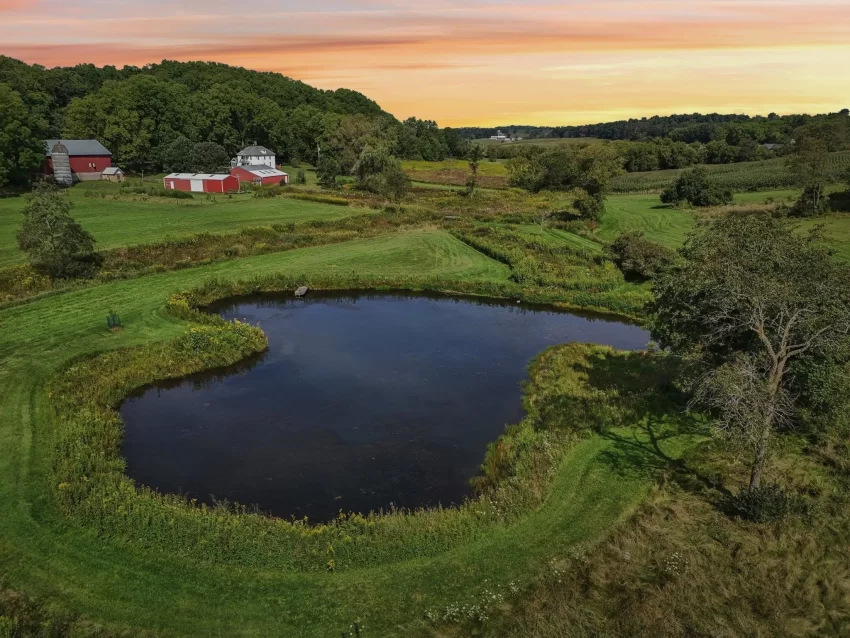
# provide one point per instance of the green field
(744, 176)
(131, 220)
(598, 482)
(764, 175)
(117, 584)
(670, 226)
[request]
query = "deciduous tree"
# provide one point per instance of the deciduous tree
(56, 244)
(473, 158)
(209, 157)
(810, 167)
(697, 187)
(751, 295)
(21, 147)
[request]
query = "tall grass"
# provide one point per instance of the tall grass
(581, 277)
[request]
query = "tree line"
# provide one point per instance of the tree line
(139, 113)
(695, 127)
(663, 153)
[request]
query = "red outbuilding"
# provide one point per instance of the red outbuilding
(260, 175)
(87, 158)
(201, 182)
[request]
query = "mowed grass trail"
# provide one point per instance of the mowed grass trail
(646, 213)
(80, 313)
(123, 223)
(53, 560)
(670, 226)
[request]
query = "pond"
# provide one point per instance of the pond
(362, 402)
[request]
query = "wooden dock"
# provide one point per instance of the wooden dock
(300, 292)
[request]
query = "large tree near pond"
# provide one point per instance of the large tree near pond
(751, 296)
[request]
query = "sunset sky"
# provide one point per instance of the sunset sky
(477, 62)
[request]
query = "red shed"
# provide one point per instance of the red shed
(87, 158)
(260, 175)
(201, 182)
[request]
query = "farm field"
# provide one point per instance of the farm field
(125, 222)
(548, 142)
(766, 175)
(123, 586)
(454, 172)
(123, 582)
(746, 176)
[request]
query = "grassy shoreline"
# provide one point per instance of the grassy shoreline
(123, 584)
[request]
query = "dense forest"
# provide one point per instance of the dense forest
(157, 117)
(138, 112)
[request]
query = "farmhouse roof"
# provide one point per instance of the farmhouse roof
(254, 151)
(78, 147)
(214, 177)
(112, 170)
(263, 171)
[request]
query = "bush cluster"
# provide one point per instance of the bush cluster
(556, 272)
(766, 504)
(638, 257)
(154, 191)
(698, 188)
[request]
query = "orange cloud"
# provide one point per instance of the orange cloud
(465, 62)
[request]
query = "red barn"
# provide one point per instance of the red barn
(87, 158)
(201, 182)
(260, 175)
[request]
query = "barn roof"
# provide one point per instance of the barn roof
(254, 150)
(263, 171)
(112, 170)
(215, 177)
(78, 147)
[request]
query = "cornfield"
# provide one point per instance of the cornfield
(745, 176)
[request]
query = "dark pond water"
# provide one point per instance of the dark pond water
(361, 402)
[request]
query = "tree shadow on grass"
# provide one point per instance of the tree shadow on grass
(633, 403)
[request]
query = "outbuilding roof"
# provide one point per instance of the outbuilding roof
(263, 171)
(112, 170)
(78, 147)
(215, 177)
(254, 151)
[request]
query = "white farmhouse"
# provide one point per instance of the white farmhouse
(255, 156)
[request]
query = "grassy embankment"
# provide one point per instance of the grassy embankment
(125, 584)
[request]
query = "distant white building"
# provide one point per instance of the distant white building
(255, 156)
(499, 137)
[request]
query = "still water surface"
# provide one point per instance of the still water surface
(361, 403)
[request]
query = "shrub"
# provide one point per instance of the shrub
(766, 504)
(300, 176)
(151, 191)
(698, 188)
(638, 257)
(812, 203)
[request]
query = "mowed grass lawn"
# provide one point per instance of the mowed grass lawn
(121, 585)
(670, 226)
(126, 222)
